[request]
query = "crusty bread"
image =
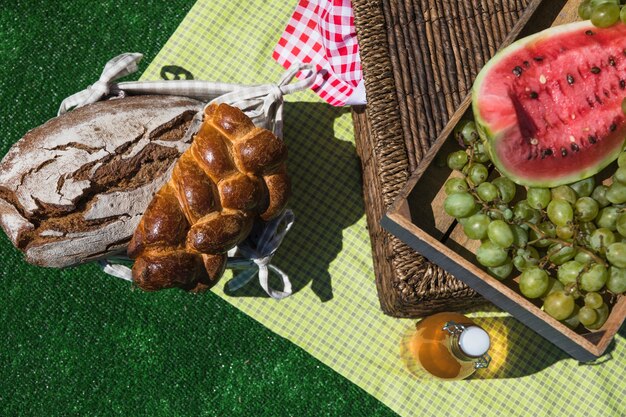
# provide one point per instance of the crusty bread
(233, 174)
(73, 190)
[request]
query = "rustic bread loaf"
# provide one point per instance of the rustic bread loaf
(233, 174)
(73, 190)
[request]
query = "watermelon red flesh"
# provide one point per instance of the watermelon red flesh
(549, 105)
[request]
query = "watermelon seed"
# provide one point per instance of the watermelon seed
(611, 61)
(595, 70)
(542, 79)
(592, 139)
(574, 147)
(546, 152)
(612, 127)
(534, 95)
(534, 141)
(622, 84)
(570, 79)
(517, 71)
(527, 64)
(563, 152)
(589, 32)
(538, 58)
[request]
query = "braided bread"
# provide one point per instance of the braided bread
(232, 174)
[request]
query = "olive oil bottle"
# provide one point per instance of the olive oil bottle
(447, 346)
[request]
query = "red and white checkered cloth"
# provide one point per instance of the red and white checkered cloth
(322, 32)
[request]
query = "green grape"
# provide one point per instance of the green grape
(522, 211)
(605, 15)
(593, 300)
(586, 209)
(538, 198)
(564, 192)
(459, 205)
(572, 289)
(584, 9)
(559, 305)
(490, 254)
(553, 285)
(455, 185)
(549, 232)
(507, 214)
(594, 278)
(487, 192)
(586, 229)
(457, 160)
(475, 227)
(595, 3)
(503, 271)
(559, 253)
(620, 175)
(477, 173)
(583, 257)
(520, 236)
(506, 188)
(620, 224)
(617, 280)
(607, 217)
(622, 17)
(533, 282)
(569, 272)
(616, 193)
(603, 314)
(466, 132)
(587, 315)
(500, 233)
(480, 154)
(526, 258)
(565, 232)
(599, 194)
(560, 212)
(495, 214)
(600, 239)
(616, 254)
(621, 160)
(572, 321)
(584, 188)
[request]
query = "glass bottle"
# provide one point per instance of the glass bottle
(447, 346)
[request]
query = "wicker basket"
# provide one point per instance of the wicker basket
(419, 60)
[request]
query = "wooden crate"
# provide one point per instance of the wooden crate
(417, 218)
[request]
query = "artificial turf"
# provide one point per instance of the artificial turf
(77, 342)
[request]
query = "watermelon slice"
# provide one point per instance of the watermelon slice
(549, 105)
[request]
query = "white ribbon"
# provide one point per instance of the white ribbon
(262, 103)
(117, 67)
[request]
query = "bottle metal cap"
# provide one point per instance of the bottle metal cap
(474, 341)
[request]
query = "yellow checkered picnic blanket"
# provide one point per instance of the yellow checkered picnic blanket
(334, 314)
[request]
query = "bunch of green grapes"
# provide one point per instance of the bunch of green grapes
(568, 243)
(603, 13)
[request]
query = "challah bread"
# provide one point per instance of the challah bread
(233, 174)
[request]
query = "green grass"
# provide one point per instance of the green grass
(77, 342)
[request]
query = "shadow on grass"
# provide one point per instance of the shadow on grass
(327, 198)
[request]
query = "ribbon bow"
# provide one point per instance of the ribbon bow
(117, 67)
(258, 250)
